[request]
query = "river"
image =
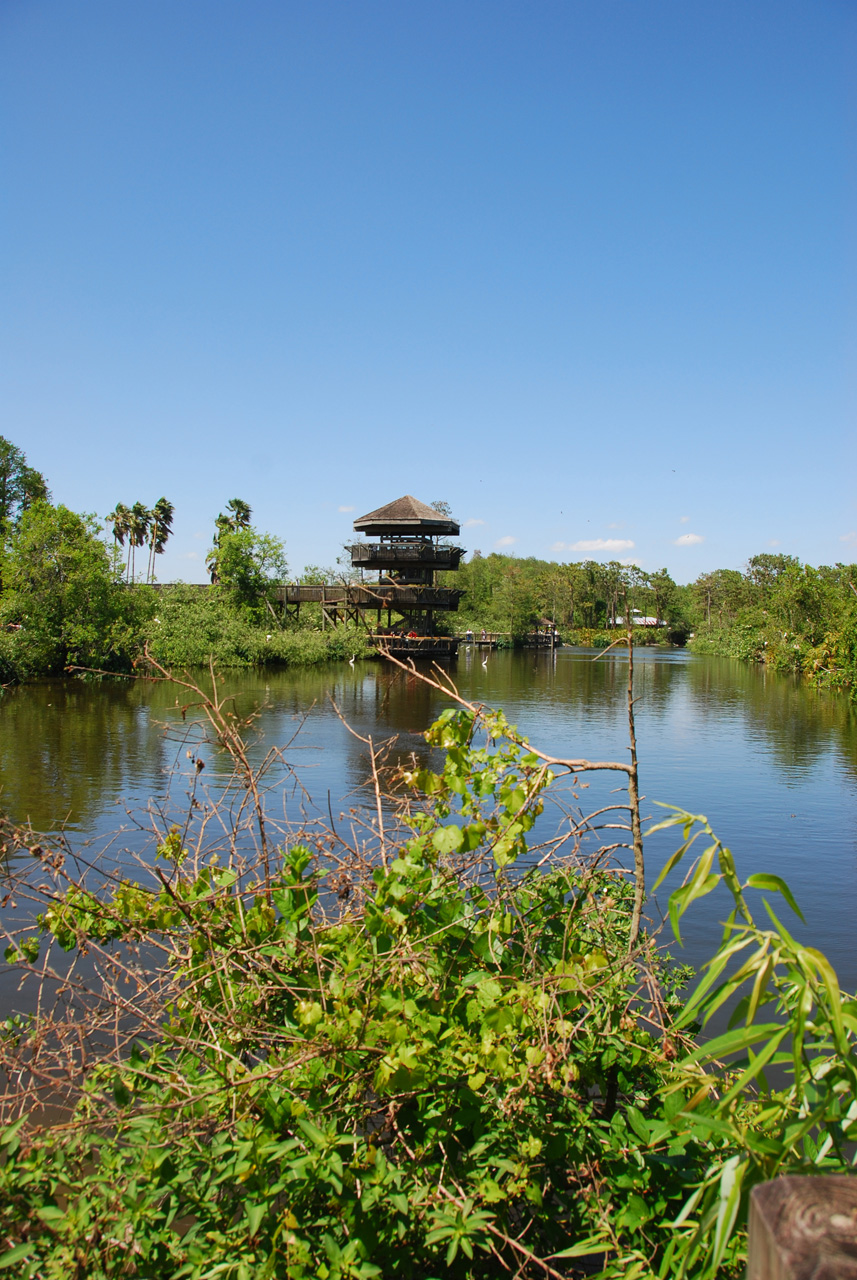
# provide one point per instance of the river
(771, 762)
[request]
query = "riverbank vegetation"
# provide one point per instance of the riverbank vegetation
(791, 616)
(70, 599)
(432, 1044)
(516, 595)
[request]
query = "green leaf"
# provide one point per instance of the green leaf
(756, 1067)
(447, 839)
(763, 880)
(50, 1213)
(9, 1135)
(638, 1123)
(731, 1179)
(585, 1248)
(733, 1041)
(831, 982)
(18, 1254)
(255, 1213)
(671, 861)
(309, 1130)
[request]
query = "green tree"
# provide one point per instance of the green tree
(240, 514)
(515, 602)
(723, 591)
(120, 523)
(160, 528)
(20, 484)
(237, 516)
(314, 575)
(663, 590)
(764, 570)
(138, 528)
(247, 564)
(60, 592)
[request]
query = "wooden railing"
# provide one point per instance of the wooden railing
(382, 554)
(375, 595)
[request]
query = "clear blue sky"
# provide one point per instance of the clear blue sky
(585, 269)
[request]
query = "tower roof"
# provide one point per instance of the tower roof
(406, 515)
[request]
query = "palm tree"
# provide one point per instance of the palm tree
(120, 518)
(239, 514)
(159, 531)
(139, 526)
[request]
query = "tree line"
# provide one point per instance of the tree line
(516, 595)
(64, 592)
(140, 525)
(68, 598)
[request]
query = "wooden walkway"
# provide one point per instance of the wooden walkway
(493, 640)
(405, 647)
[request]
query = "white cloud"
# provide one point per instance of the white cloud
(602, 544)
(190, 555)
(471, 524)
(345, 508)
(773, 542)
(615, 525)
(505, 542)
(684, 520)
(558, 546)
(688, 540)
(848, 537)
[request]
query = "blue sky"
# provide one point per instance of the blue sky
(584, 269)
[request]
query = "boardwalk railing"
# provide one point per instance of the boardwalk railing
(493, 639)
(374, 595)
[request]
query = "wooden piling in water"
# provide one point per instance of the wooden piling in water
(803, 1229)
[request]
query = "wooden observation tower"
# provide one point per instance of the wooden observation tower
(408, 549)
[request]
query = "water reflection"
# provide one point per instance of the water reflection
(772, 762)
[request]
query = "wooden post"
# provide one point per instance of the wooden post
(803, 1229)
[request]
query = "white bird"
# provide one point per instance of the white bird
(485, 661)
(351, 661)
(157, 620)
(268, 636)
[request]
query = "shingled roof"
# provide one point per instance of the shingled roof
(406, 515)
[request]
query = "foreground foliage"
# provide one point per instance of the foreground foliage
(440, 1061)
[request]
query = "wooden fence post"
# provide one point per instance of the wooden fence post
(803, 1229)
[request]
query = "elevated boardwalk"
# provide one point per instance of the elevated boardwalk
(371, 595)
(417, 647)
(494, 639)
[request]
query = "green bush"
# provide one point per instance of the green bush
(459, 1070)
(61, 597)
(189, 627)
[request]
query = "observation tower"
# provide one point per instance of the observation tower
(408, 549)
(398, 581)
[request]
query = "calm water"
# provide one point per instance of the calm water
(771, 763)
